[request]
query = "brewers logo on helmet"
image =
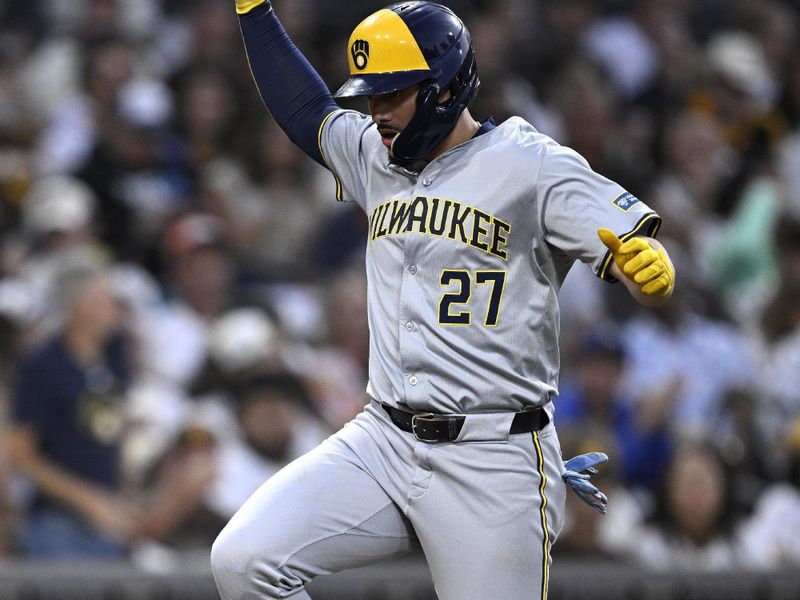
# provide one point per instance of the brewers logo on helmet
(359, 50)
(408, 44)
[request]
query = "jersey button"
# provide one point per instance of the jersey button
(413, 380)
(410, 326)
(412, 269)
(427, 181)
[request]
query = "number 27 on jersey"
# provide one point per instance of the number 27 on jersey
(455, 307)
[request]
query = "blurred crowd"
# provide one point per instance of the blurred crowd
(183, 302)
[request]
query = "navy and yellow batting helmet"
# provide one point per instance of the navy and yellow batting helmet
(415, 43)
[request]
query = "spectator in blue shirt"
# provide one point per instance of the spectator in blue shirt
(67, 414)
(590, 406)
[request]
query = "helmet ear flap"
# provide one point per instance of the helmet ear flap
(411, 145)
(428, 98)
(432, 122)
(463, 87)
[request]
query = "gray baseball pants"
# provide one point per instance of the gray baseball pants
(485, 512)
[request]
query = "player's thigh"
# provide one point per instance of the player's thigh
(320, 514)
(491, 517)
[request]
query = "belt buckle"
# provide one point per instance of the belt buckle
(414, 418)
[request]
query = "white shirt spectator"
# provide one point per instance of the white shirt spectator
(776, 523)
(707, 358)
(242, 470)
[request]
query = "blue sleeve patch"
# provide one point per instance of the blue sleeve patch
(624, 201)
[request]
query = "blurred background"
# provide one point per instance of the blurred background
(182, 300)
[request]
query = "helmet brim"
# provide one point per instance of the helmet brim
(374, 84)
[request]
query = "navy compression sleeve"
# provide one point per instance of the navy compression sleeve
(291, 89)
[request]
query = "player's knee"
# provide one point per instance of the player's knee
(228, 565)
(244, 567)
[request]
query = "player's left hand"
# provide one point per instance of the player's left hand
(579, 481)
(647, 266)
(245, 6)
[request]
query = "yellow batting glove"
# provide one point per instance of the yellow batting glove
(245, 6)
(643, 264)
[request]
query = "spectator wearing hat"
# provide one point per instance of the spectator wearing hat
(241, 342)
(59, 227)
(591, 405)
(276, 425)
(741, 91)
(211, 468)
(60, 209)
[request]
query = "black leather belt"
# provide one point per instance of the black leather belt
(429, 427)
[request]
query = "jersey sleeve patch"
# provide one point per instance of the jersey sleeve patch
(625, 201)
(648, 225)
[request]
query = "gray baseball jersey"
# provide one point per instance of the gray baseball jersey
(464, 262)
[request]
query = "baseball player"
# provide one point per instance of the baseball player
(472, 229)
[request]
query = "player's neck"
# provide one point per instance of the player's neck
(465, 129)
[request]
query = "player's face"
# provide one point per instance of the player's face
(392, 112)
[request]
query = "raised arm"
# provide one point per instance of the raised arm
(290, 87)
